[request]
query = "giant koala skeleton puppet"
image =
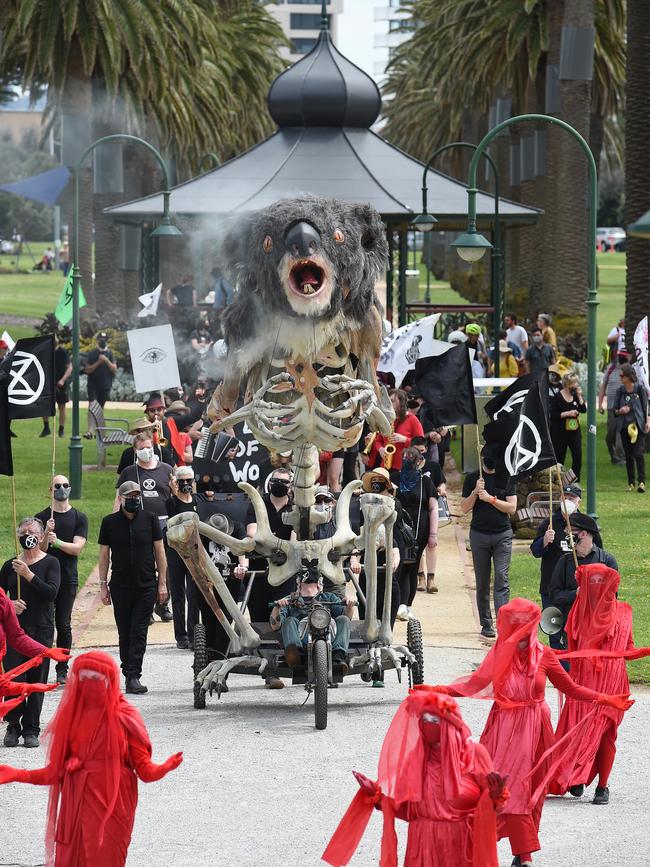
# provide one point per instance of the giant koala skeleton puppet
(303, 335)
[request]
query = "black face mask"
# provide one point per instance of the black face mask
(28, 541)
(279, 489)
(101, 344)
(488, 463)
(132, 506)
(185, 487)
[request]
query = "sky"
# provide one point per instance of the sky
(356, 32)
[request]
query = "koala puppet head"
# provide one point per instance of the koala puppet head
(309, 257)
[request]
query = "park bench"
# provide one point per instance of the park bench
(114, 434)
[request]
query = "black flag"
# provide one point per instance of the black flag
(6, 460)
(529, 448)
(445, 382)
(29, 377)
(504, 409)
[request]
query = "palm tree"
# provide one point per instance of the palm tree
(175, 68)
(637, 164)
(463, 56)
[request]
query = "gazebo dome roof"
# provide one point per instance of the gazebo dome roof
(324, 89)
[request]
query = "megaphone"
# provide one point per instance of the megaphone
(552, 620)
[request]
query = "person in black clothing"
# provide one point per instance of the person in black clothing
(631, 411)
(66, 531)
(128, 456)
(233, 570)
(563, 585)
(39, 576)
(566, 407)
(131, 545)
(550, 544)
(62, 373)
(419, 499)
(490, 535)
(429, 558)
(100, 368)
(183, 295)
(540, 356)
(277, 502)
(181, 583)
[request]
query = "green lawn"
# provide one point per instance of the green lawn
(32, 467)
(611, 293)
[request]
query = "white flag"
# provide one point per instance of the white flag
(150, 300)
(401, 349)
(641, 351)
(153, 358)
(8, 340)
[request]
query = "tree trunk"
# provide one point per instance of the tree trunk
(637, 164)
(77, 99)
(566, 289)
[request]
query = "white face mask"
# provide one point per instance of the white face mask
(145, 454)
(569, 507)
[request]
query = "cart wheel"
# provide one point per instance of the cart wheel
(320, 687)
(200, 662)
(414, 644)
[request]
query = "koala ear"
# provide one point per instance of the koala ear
(373, 231)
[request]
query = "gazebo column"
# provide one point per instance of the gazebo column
(401, 282)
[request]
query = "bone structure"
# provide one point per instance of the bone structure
(310, 397)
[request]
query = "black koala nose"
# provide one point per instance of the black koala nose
(302, 241)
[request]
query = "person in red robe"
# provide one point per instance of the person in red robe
(11, 632)
(518, 733)
(98, 747)
(434, 777)
(599, 634)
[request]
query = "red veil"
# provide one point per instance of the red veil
(517, 621)
(116, 717)
(400, 777)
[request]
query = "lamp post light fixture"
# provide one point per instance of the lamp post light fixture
(165, 229)
(592, 291)
(470, 246)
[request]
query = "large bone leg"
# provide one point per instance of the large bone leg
(385, 631)
(183, 536)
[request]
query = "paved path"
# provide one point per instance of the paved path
(260, 787)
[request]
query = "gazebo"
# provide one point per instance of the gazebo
(324, 107)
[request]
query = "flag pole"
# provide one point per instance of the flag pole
(566, 516)
(550, 496)
(13, 510)
(478, 451)
(53, 467)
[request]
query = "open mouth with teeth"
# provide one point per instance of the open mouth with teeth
(306, 278)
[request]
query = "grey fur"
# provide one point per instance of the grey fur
(357, 263)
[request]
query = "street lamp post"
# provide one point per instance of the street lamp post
(468, 250)
(166, 228)
(473, 239)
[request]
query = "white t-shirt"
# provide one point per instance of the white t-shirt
(621, 337)
(518, 335)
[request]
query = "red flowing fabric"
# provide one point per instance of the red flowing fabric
(599, 635)
(176, 442)
(11, 632)
(442, 796)
(97, 743)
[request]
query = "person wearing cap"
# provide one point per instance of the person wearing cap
(62, 374)
(128, 456)
(540, 356)
(550, 544)
(290, 613)
(631, 411)
(181, 583)
(606, 399)
(563, 584)
(490, 535)
(178, 417)
(325, 502)
(475, 341)
(100, 368)
(131, 550)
